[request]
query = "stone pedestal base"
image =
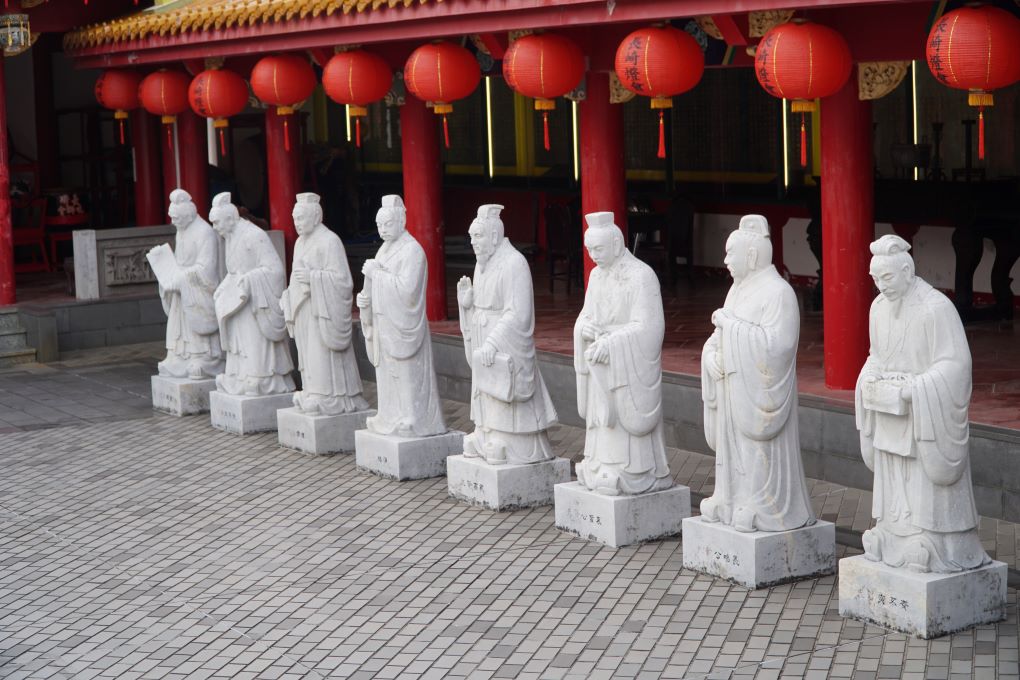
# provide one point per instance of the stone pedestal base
(403, 458)
(923, 605)
(759, 559)
(246, 415)
(319, 434)
(505, 487)
(181, 396)
(621, 520)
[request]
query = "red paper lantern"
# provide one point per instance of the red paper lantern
(284, 81)
(117, 89)
(165, 94)
(659, 62)
(543, 66)
(442, 73)
(218, 94)
(356, 78)
(802, 61)
(976, 49)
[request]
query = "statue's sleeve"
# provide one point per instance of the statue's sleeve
(512, 333)
(709, 393)
(865, 418)
(581, 369)
(399, 296)
(196, 295)
(332, 296)
(265, 285)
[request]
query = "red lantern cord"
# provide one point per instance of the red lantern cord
(170, 136)
(981, 133)
(122, 132)
(803, 142)
(662, 136)
(446, 133)
(286, 136)
(545, 129)
(357, 132)
(223, 143)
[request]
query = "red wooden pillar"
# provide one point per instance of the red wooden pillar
(423, 179)
(848, 227)
(145, 139)
(603, 182)
(283, 167)
(7, 296)
(194, 147)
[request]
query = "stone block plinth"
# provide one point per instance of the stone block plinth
(404, 458)
(319, 434)
(240, 414)
(621, 520)
(181, 396)
(505, 487)
(759, 559)
(925, 605)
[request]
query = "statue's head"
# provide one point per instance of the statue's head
(307, 213)
(391, 218)
(486, 232)
(182, 209)
(603, 239)
(749, 248)
(223, 214)
(892, 267)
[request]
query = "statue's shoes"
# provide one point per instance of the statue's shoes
(743, 520)
(471, 447)
(709, 510)
(872, 546)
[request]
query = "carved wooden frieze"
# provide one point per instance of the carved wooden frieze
(876, 79)
(760, 23)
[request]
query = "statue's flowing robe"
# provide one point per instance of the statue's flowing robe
(923, 497)
(192, 333)
(399, 344)
(319, 315)
(253, 332)
(503, 313)
(751, 413)
(621, 401)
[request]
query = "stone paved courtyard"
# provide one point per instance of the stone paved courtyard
(136, 545)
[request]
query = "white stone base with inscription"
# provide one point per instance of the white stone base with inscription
(759, 559)
(319, 434)
(239, 414)
(621, 520)
(925, 605)
(403, 458)
(181, 396)
(505, 487)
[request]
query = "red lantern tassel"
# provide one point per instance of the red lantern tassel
(357, 132)
(170, 136)
(662, 136)
(803, 142)
(223, 143)
(286, 136)
(981, 133)
(446, 133)
(122, 132)
(545, 129)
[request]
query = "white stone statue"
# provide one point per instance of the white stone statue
(749, 388)
(251, 322)
(317, 307)
(396, 331)
(192, 333)
(510, 406)
(618, 360)
(911, 401)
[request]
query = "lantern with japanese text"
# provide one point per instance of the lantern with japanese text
(117, 89)
(284, 81)
(543, 66)
(976, 49)
(165, 94)
(659, 62)
(356, 78)
(802, 61)
(218, 94)
(442, 73)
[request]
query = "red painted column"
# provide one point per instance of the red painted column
(283, 167)
(423, 196)
(603, 182)
(193, 146)
(7, 296)
(848, 227)
(148, 173)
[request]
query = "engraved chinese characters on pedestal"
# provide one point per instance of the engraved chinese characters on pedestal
(510, 406)
(188, 276)
(749, 388)
(317, 308)
(252, 327)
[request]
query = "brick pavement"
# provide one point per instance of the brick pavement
(159, 548)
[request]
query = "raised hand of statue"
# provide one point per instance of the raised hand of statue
(363, 301)
(301, 276)
(721, 318)
(488, 354)
(590, 331)
(597, 353)
(465, 293)
(714, 365)
(371, 267)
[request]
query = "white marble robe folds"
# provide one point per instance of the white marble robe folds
(192, 332)
(621, 400)
(503, 314)
(318, 315)
(399, 344)
(751, 410)
(252, 327)
(923, 497)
